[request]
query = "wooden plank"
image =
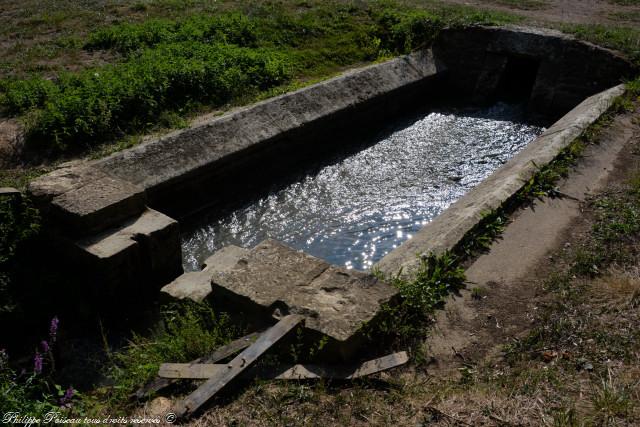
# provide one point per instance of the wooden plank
(9, 191)
(296, 372)
(219, 354)
(344, 372)
(239, 364)
(202, 371)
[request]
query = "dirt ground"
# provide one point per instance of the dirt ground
(564, 11)
(502, 297)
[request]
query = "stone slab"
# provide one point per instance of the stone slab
(335, 301)
(449, 228)
(194, 285)
(276, 280)
(85, 200)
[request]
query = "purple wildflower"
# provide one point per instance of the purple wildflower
(37, 363)
(53, 329)
(65, 400)
(45, 346)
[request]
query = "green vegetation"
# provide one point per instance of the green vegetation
(126, 38)
(33, 391)
(172, 67)
(19, 223)
(420, 294)
(83, 108)
(622, 38)
(625, 2)
(484, 233)
(187, 331)
(632, 16)
(405, 321)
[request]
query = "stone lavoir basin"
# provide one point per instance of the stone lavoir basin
(357, 208)
(284, 206)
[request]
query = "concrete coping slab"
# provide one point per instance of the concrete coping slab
(179, 154)
(89, 197)
(276, 280)
(447, 230)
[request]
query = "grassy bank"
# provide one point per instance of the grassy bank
(164, 69)
(163, 62)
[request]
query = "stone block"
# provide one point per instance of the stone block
(272, 280)
(145, 252)
(195, 285)
(86, 200)
(277, 280)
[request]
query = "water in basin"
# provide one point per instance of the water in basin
(357, 209)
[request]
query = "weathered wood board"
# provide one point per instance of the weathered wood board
(219, 354)
(295, 372)
(238, 365)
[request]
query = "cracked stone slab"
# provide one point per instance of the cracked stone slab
(272, 277)
(277, 280)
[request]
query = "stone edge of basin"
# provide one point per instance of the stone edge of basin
(159, 164)
(89, 197)
(448, 229)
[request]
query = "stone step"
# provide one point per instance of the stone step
(144, 251)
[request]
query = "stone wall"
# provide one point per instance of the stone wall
(568, 70)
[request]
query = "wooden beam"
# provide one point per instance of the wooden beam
(202, 371)
(234, 368)
(295, 372)
(219, 354)
(9, 191)
(343, 372)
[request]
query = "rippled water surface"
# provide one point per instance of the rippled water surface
(359, 208)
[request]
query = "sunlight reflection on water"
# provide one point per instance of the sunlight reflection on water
(357, 210)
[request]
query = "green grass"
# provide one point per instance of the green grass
(625, 2)
(631, 16)
(187, 331)
(169, 68)
(623, 38)
(404, 322)
(125, 38)
(80, 109)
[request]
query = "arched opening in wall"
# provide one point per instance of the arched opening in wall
(517, 79)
